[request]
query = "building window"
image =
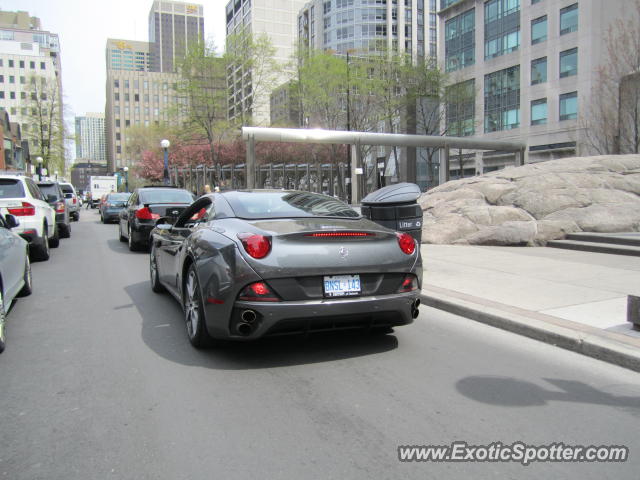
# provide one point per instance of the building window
(43, 66)
(116, 84)
(533, 2)
(126, 97)
(460, 109)
(1, 78)
(326, 7)
(569, 106)
(23, 80)
(21, 63)
(10, 63)
(502, 100)
(126, 84)
(12, 95)
(459, 47)
(539, 112)
(32, 65)
(569, 19)
(23, 96)
(501, 27)
(127, 123)
(539, 70)
(569, 63)
(538, 30)
(118, 123)
(12, 79)
(118, 136)
(136, 97)
(116, 96)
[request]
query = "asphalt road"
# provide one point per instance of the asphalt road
(99, 382)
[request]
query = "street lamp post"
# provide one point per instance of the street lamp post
(39, 162)
(126, 179)
(165, 145)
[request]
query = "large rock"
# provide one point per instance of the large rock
(536, 203)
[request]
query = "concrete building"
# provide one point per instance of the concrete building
(134, 97)
(365, 26)
(27, 53)
(531, 67)
(278, 20)
(90, 137)
(173, 27)
(83, 169)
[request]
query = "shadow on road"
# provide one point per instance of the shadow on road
(122, 247)
(163, 331)
(511, 392)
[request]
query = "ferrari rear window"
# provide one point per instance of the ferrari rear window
(283, 204)
(165, 195)
(10, 188)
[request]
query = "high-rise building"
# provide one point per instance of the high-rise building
(365, 26)
(277, 19)
(27, 54)
(173, 27)
(90, 139)
(530, 69)
(141, 76)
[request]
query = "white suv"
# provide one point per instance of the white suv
(71, 200)
(21, 197)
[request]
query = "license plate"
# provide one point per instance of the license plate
(341, 285)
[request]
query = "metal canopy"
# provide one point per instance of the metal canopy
(306, 135)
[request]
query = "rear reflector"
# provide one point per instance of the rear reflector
(258, 292)
(409, 284)
(339, 234)
(26, 210)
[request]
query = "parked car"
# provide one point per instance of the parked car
(15, 269)
(55, 197)
(113, 204)
(23, 199)
(71, 200)
(245, 264)
(145, 206)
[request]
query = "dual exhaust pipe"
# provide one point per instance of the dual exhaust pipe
(414, 308)
(247, 323)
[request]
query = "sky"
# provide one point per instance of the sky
(85, 25)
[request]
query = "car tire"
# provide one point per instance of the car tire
(27, 288)
(54, 242)
(42, 252)
(76, 216)
(2, 322)
(102, 218)
(122, 237)
(194, 311)
(156, 286)
(133, 246)
(65, 231)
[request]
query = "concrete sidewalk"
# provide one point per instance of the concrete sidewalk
(576, 300)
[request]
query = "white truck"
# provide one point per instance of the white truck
(101, 185)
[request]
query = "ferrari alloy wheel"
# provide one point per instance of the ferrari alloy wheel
(156, 286)
(194, 311)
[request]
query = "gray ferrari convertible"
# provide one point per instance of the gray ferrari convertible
(246, 264)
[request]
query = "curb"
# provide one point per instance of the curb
(593, 342)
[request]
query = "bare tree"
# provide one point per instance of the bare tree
(46, 129)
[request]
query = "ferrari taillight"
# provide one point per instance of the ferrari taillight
(258, 292)
(339, 234)
(409, 284)
(406, 242)
(257, 246)
(145, 214)
(26, 210)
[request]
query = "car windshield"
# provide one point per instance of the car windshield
(49, 189)
(166, 195)
(10, 188)
(118, 197)
(283, 204)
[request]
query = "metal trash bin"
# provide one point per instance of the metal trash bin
(395, 207)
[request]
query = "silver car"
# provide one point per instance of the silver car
(71, 200)
(15, 269)
(247, 264)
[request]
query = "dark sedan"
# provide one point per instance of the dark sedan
(145, 206)
(54, 195)
(112, 206)
(245, 264)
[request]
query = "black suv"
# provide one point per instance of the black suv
(55, 197)
(145, 206)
